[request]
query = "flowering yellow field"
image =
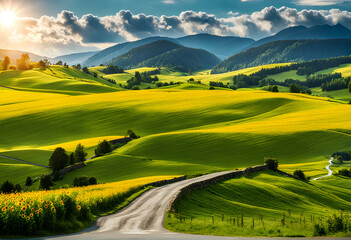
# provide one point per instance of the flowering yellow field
(30, 212)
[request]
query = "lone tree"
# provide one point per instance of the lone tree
(271, 163)
(6, 63)
(23, 62)
(85, 69)
(46, 182)
(103, 148)
(300, 175)
(58, 159)
(42, 64)
(132, 134)
(29, 181)
(79, 153)
(294, 88)
(7, 187)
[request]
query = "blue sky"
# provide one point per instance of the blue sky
(56, 27)
(172, 7)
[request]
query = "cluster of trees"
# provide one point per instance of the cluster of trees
(165, 84)
(138, 78)
(272, 88)
(345, 172)
(112, 69)
(272, 163)
(336, 84)
(218, 84)
(103, 148)
(299, 174)
(84, 181)
(342, 156)
(60, 159)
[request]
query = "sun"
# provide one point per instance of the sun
(7, 18)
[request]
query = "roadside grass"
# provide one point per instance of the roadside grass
(30, 155)
(270, 204)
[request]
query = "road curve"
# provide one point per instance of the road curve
(143, 219)
(330, 172)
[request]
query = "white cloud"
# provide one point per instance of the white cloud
(320, 2)
(68, 33)
(169, 1)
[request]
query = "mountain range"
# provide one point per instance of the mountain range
(165, 53)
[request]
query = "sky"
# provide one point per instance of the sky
(56, 27)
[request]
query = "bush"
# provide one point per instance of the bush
(17, 188)
(46, 182)
(275, 88)
(300, 175)
(56, 176)
(29, 181)
(271, 163)
(84, 181)
(132, 134)
(335, 224)
(135, 88)
(7, 187)
(319, 230)
(103, 148)
(212, 88)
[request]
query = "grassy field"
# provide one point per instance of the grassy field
(263, 199)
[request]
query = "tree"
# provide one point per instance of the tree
(275, 88)
(59, 63)
(46, 182)
(29, 181)
(103, 148)
(7, 187)
(72, 159)
(294, 88)
(271, 163)
(23, 62)
(78, 66)
(6, 63)
(79, 153)
(132, 134)
(86, 70)
(42, 64)
(59, 159)
(300, 175)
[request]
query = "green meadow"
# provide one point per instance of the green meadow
(185, 129)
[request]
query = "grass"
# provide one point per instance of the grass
(341, 95)
(182, 133)
(280, 77)
(55, 79)
(265, 197)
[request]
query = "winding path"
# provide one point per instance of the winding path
(22, 161)
(330, 172)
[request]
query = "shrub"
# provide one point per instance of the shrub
(319, 230)
(46, 182)
(335, 224)
(29, 181)
(17, 188)
(135, 88)
(103, 148)
(271, 163)
(275, 88)
(7, 187)
(212, 88)
(56, 176)
(294, 88)
(300, 175)
(84, 181)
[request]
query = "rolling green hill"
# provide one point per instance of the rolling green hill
(55, 79)
(166, 53)
(263, 200)
(286, 51)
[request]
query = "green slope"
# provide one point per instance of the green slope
(264, 196)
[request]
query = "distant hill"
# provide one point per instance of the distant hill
(106, 55)
(165, 53)
(286, 51)
(325, 31)
(74, 58)
(222, 46)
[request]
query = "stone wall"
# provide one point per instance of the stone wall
(164, 182)
(205, 183)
